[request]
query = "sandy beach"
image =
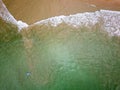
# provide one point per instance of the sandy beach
(31, 11)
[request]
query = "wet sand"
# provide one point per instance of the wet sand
(31, 11)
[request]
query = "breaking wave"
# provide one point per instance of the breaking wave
(109, 20)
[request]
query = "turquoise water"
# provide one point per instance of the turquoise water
(59, 58)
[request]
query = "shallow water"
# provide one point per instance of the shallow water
(59, 58)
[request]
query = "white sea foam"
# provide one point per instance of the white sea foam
(109, 20)
(6, 16)
(21, 25)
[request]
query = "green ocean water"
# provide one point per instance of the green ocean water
(58, 58)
